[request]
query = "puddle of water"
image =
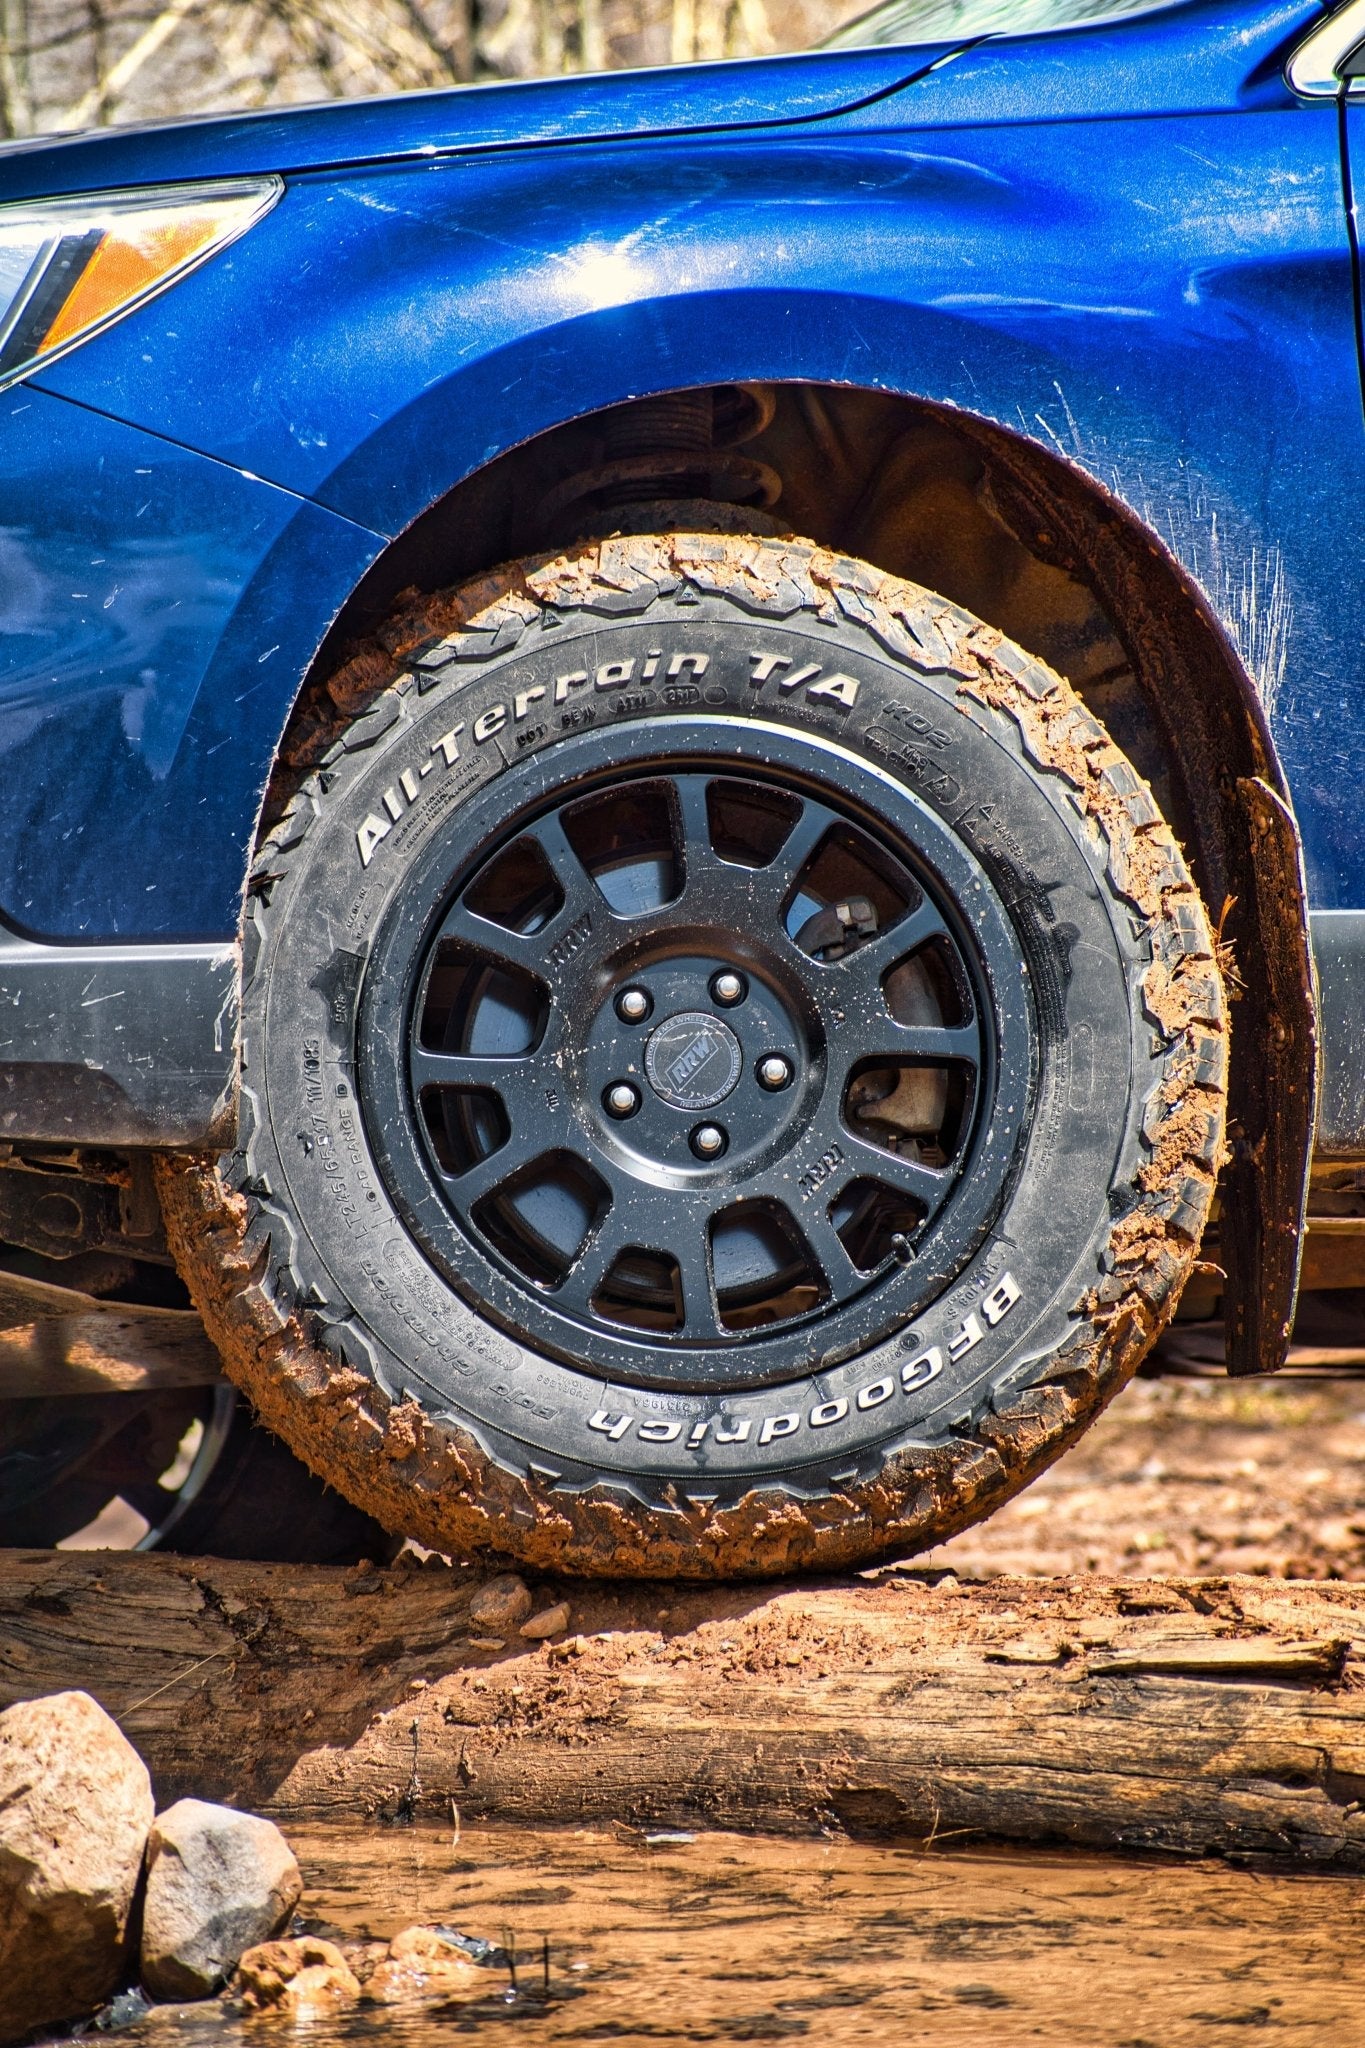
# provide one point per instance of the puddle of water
(730, 1938)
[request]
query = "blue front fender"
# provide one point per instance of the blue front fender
(159, 610)
(1194, 353)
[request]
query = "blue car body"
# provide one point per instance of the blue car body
(1129, 244)
(1128, 247)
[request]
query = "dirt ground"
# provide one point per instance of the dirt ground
(1182, 1476)
(715, 1937)
(1190, 1476)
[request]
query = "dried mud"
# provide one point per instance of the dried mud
(434, 1481)
(1193, 1476)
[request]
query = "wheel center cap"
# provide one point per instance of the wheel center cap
(693, 1060)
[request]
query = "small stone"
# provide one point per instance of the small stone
(425, 1945)
(502, 1603)
(125, 2009)
(296, 1975)
(423, 1962)
(75, 1807)
(364, 1956)
(218, 1883)
(551, 1621)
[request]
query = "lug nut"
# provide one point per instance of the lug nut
(621, 1099)
(708, 1141)
(728, 988)
(633, 1006)
(774, 1072)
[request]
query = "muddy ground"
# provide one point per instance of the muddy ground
(1189, 1476)
(722, 1938)
(717, 1937)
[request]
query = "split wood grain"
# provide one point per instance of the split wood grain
(1205, 1717)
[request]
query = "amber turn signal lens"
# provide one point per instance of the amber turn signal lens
(68, 268)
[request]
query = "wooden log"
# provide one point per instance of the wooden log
(1204, 1717)
(137, 1351)
(58, 1341)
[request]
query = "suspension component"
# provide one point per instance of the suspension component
(682, 447)
(832, 933)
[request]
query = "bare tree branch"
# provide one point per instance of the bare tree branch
(70, 63)
(121, 75)
(16, 102)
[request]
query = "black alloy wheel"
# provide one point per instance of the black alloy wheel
(733, 1072)
(678, 1056)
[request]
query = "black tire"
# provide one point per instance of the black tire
(242, 1495)
(260, 1504)
(1022, 1253)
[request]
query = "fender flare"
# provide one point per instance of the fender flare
(1244, 848)
(1247, 857)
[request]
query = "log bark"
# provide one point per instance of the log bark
(1205, 1717)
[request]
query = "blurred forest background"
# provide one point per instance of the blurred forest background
(84, 63)
(91, 63)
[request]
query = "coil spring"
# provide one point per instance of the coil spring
(684, 446)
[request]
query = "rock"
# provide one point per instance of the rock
(502, 1603)
(218, 1883)
(425, 1962)
(75, 1807)
(296, 1975)
(551, 1621)
(125, 2009)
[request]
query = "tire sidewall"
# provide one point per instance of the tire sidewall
(449, 731)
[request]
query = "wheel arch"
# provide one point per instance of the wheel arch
(1090, 587)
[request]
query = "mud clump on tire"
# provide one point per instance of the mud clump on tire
(1098, 1222)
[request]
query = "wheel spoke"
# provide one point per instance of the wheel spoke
(769, 888)
(927, 1185)
(576, 1290)
(693, 823)
(690, 1248)
(826, 1247)
(868, 964)
(460, 1069)
(582, 897)
(531, 1089)
(522, 1149)
(931, 1042)
(522, 950)
(800, 843)
(532, 951)
(649, 1226)
(534, 1101)
(926, 1044)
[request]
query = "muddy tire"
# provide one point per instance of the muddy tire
(733, 1071)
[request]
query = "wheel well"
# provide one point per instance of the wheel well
(1041, 552)
(985, 518)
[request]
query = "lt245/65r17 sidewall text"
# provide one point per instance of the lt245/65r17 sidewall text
(384, 1326)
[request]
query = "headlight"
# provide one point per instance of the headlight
(70, 267)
